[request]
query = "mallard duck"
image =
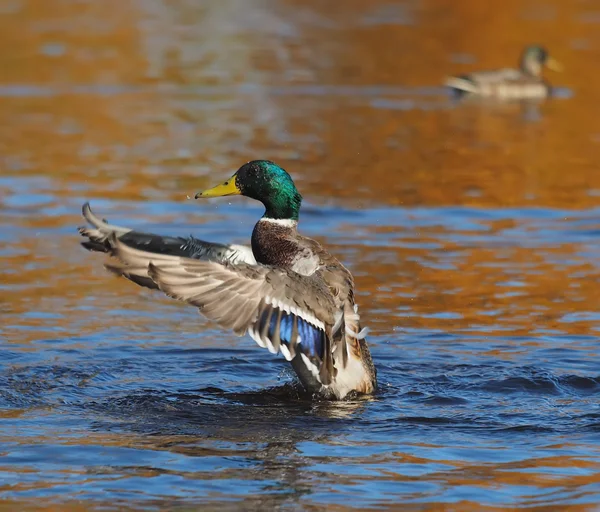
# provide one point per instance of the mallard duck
(286, 291)
(523, 83)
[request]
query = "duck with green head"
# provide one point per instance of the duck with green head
(508, 83)
(286, 291)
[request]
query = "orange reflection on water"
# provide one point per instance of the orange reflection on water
(152, 101)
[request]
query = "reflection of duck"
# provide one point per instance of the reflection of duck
(507, 83)
(287, 291)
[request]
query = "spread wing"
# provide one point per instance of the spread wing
(100, 234)
(281, 310)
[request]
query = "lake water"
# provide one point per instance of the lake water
(473, 232)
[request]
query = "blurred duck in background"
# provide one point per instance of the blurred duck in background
(508, 83)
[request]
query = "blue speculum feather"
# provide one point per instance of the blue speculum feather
(285, 332)
(273, 323)
(311, 338)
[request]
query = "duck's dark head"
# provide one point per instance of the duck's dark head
(266, 182)
(535, 57)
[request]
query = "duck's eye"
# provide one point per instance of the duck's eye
(226, 183)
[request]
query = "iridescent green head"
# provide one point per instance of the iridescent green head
(535, 57)
(266, 182)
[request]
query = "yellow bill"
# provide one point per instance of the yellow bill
(228, 188)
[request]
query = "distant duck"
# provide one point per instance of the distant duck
(286, 291)
(509, 84)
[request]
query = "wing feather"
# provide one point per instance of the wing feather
(100, 234)
(281, 310)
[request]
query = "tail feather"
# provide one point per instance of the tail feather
(461, 83)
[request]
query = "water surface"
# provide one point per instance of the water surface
(473, 232)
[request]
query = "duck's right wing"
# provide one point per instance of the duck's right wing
(101, 235)
(281, 310)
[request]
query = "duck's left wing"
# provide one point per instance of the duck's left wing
(100, 235)
(282, 311)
